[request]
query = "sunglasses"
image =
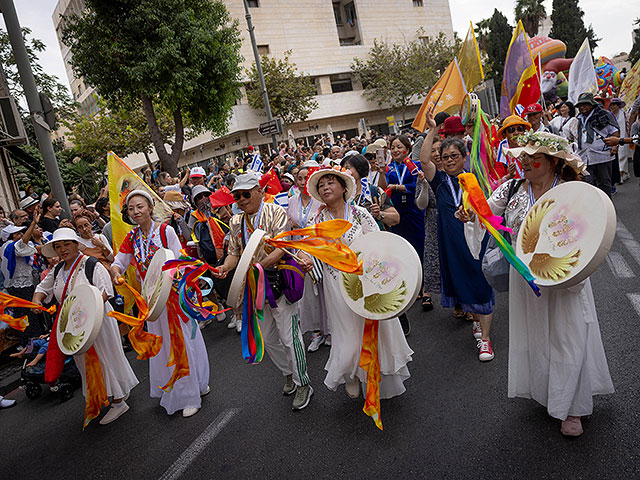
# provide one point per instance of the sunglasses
(237, 196)
(519, 128)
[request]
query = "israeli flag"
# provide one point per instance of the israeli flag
(366, 191)
(519, 110)
(282, 199)
(256, 163)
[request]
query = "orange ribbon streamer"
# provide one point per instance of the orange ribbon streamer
(96, 391)
(334, 253)
(145, 344)
(9, 301)
(178, 355)
(370, 363)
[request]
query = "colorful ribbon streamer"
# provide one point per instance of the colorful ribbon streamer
(178, 355)
(332, 252)
(145, 344)
(96, 390)
(472, 198)
(255, 294)
(483, 160)
(9, 301)
(370, 363)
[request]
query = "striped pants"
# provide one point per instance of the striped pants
(283, 340)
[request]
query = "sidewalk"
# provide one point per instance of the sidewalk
(10, 369)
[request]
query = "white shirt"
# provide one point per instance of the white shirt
(23, 274)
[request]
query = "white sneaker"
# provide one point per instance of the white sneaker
(317, 339)
(353, 388)
(189, 412)
(204, 323)
(206, 391)
(116, 410)
(221, 316)
(477, 330)
(327, 340)
(4, 403)
(232, 322)
(238, 325)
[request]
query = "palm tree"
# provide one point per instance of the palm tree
(482, 30)
(531, 12)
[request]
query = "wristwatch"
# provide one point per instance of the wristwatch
(621, 141)
(381, 215)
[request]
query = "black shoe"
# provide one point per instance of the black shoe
(427, 303)
(406, 326)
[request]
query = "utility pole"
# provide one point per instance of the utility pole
(263, 87)
(34, 103)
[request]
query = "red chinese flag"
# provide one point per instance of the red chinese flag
(270, 183)
(221, 198)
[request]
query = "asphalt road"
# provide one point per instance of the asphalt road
(455, 420)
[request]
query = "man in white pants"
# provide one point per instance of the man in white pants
(280, 328)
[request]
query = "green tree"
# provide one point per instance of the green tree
(531, 12)
(634, 54)
(290, 92)
(121, 131)
(174, 54)
(46, 83)
(569, 27)
(394, 74)
(482, 31)
(497, 43)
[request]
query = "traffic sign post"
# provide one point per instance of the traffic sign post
(272, 127)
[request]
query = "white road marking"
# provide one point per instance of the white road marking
(634, 298)
(619, 266)
(199, 444)
(628, 241)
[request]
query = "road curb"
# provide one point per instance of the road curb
(11, 383)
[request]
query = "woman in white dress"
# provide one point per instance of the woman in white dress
(335, 189)
(117, 374)
(556, 356)
(302, 211)
(138, 248)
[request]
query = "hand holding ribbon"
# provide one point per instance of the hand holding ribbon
(9, 301)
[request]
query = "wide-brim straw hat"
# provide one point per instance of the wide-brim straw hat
(60, 234)
(176, 200)
(314, 178)
(511, 121)
(549, 144)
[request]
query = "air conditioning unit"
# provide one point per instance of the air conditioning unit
(12, 130)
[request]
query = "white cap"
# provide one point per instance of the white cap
(246, 181)
(60, 234)
(10, 230)
(197, 190)
(143, 193)
(197, 172)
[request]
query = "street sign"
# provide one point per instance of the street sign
(272, 127)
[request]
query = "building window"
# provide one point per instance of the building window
(253, 3)
(418, 3)
(263, 49)
(341, 83)
(347, 24)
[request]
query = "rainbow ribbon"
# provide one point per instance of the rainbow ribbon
(255, 292)
(483, 159)
(473, 199)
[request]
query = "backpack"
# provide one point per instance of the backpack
(89, 268)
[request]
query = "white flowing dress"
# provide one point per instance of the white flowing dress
(347, 328)
(313, 315)
(556, 356)
(186, 391)
(117, 373)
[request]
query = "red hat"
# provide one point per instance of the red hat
(533, 108)
(250, 148)
(452, 125)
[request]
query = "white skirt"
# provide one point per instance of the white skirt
(346, 343)
(117, 373)
(186, 391)
(313, 315)
(556, 356)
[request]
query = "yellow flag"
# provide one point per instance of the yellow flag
(122, 181)
(445, 96)
(469, 60)
(630, 88)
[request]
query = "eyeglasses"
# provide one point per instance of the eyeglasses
(518, 128)
(238, 195)
(455, 156)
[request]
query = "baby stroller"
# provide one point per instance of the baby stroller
(32, 378)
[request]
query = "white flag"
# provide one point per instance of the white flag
(582, 74)
(256, 163)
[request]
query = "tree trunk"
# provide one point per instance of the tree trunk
(146, 157)
(168, 160)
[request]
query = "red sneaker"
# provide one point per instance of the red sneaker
(477, 330)
(486, 352)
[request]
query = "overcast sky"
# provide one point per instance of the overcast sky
(612, 21)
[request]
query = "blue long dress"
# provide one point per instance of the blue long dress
(461, 277)
(411, 226)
